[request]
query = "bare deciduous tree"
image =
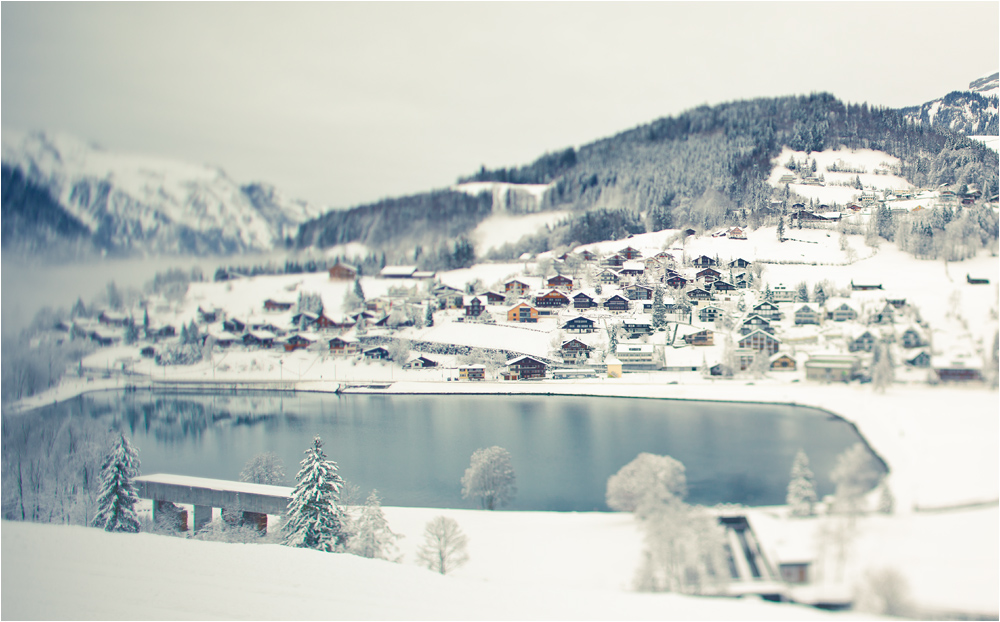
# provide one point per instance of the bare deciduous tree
(444, 547)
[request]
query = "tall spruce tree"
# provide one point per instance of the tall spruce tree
(801, 497)
(118, 496)
(315, 518)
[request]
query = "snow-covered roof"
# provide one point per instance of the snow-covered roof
(217, 484)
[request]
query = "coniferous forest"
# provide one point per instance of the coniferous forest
(704, 168)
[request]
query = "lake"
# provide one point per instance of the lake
(415, 448)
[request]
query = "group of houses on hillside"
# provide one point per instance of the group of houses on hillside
(622, 312)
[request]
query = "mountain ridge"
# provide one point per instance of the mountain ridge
(705, 166)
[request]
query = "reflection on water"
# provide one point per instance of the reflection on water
(414, 449)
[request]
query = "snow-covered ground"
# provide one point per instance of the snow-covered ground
(522, 565)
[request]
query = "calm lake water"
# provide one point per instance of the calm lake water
(414, 449)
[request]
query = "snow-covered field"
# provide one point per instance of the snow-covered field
(522, 565)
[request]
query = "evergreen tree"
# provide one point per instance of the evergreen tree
(883, 369)
(819, 294)
(145, 322)
(429, 316)
(315, 518)
(768, 294)
(803, 292)
(781, 228)
(118, 496)
(659, 309)
(131, 333)
(360, 293)
(372, 537)
(801, 497)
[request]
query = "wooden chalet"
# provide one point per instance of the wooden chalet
(553, 299)
(783, 362)
(378, 353)
(474, 307)
(517, 288)
(710, 313)
(886, 315)
(494, 298)
(704, 261)
(709, 275)
(234, 325)
(739, 262)
(583, 301)
(579, 324)
(630, 253)
(676, 281)
(608, 277)
(259, 339)
(587, 256)
(637, 325)
(697, 294)
(639, 292)
(614, 261)
(560, 282)
(574, 351)
(911, 338)
(297, 342)
(761, 341)
(274, 305)
(523, 313)
(343, 272)
(755, 322)
(923, 359)
(420, 362)
(767, 310)
(700, 338)
(325, 323)
(736, 234)
(842, 313)
(343, 345)
(525, 368)
(865, 342)
(616, 303)
(806, 315)
(632, 268)
(721, 286)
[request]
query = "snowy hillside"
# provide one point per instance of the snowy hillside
(840, 169)
(133, 202)
(972, 112)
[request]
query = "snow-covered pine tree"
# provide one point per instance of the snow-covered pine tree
(801, 497)
(118, 496)
(803, 292)
(659, 310)
(372, 537)
(264, 468)
(819, 294)
(315, 518)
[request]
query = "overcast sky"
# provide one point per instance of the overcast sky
(343, 103)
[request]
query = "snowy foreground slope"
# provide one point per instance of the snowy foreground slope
(52, 572)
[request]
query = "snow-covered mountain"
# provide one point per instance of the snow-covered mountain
(130, 203)
(972, 112)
